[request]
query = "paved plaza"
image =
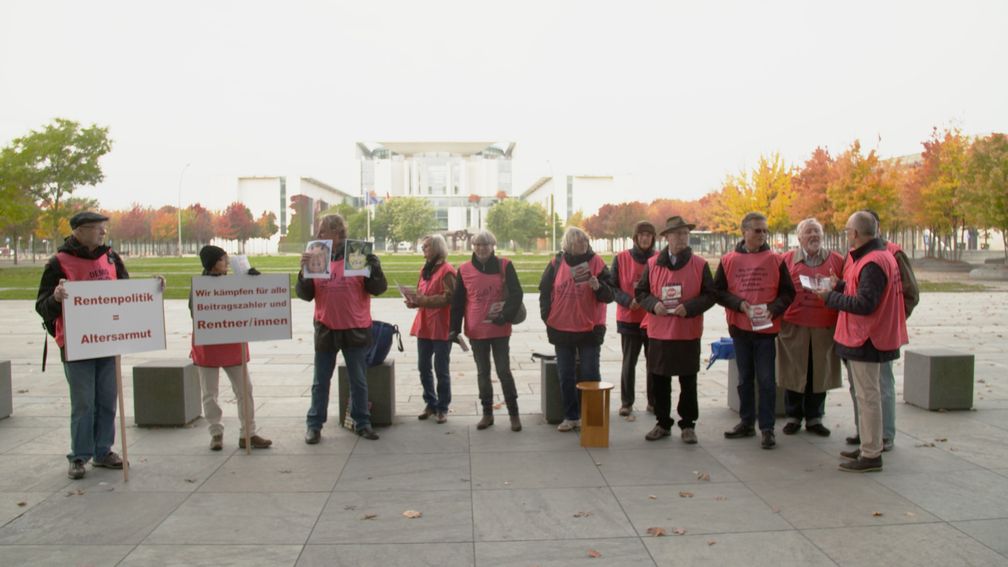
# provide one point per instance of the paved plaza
(496, 497)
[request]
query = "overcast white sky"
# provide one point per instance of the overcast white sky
(675, 94)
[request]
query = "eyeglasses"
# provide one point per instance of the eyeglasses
(760, 230)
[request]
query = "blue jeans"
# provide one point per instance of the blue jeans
(586, 356)
(755, 359)
(325, 364)
(440, 352)
(92, 407)
(887, 385)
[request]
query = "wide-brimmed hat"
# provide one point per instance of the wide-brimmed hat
(676, 222)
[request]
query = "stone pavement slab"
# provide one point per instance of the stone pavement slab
(497, 497)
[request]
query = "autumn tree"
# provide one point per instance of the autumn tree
(518, 221)
(987, 183)
(809, 188)
(164, 225)
(266, 225)
(197, 225)
(860, 182)
(54, 162)
(943, 188)
(236, 223)
(767, 189)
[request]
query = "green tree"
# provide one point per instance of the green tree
(55, 161)
(403, 219)
(18, 211)
(517, 220)
(356, 219)
(987, 183)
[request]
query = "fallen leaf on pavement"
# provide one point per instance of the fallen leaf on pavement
(679, 531)
(369, 516)
(593, 554)
(720, 498)
(703, 476)
(582, 514)
(656, 532)
(652, 497)
(711, 542)
(411, 514)
(685, 494)
(877, 514)
(22, 504)
(941, 439)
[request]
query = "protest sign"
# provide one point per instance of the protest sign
(237, 309)
(109, 317)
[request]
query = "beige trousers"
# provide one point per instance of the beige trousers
(865, 376)
(209, 381)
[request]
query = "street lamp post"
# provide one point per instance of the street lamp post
(179, 210)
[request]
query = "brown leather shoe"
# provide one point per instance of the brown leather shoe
(257, 442)
(441, 417)
(485, 422)
(427, 412)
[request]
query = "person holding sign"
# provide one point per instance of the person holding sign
(342, 323)
(209, 359)
(84, 256)
(488, 296)
(675, 289)
(432, 301)
(572, 301)
(807, 364)
(627, 267)
(754, 286)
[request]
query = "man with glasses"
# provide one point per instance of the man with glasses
(84, 256)
(754, 286)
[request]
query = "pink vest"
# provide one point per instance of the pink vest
(218, 356)
(433, 322)
(629, 273)
(574, 308)
(342, 303)
(886, 327)
(755, 278)
(482, 291)
(82, 269)
(808, 310)
(669, 327)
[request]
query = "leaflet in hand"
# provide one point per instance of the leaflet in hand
(671, 296)
(355, 258)
(581, 272)
(495, 310)
(759, 316)
(408, 292)
(239, 264)
(318, 266)
(816, 284)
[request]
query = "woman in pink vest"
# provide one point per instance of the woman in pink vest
(572, 301)
(807, 364)
(210, 359)
(675, 290)
(430, 326)
(627, 267)
(488, 297)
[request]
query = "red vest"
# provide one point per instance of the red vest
(808, 310)
(629, 273)
(574, 308)
(893, 248)
(886, 327)
(218, 356)
(669, 327)
(433, 322)
(482, 291)
(342, 303)
(756, 279)
(82, 269)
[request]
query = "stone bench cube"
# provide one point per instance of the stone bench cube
(733, 397)
(166, 393)
(381, 392)
(549, 388)
(6, 390)
(938, 378)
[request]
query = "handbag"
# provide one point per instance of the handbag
(381, 342)
(522, 313)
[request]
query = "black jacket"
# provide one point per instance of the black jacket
(604, 294)
(45, 304)
(511, 302)
(696, 306)
(871, 285)
(785, 294)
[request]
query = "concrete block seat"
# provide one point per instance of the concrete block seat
(381, 392)
(938, 378)
(166, 393)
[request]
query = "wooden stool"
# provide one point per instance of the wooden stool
(594, 413)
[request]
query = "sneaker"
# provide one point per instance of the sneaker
(216, 442)
(768, 441)
(569, 425)
(862, 465)
(625, 410)
(427, 412)
(367, 433)
(887, 445)
(257, 442)
(657, 433)
(853, 440)
(440, 417)
(791, 427)
(312, 436)
(485, 421)
(109, 461)
(739, 431)
(819, 429)
(689, 436)
(76, 470)
(852, 455)
(516, 423)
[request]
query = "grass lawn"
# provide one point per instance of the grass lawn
(21, 282)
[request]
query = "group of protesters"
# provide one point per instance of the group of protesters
(784, 330)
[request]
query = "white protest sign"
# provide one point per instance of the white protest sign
(238, 309)
(109, 317)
